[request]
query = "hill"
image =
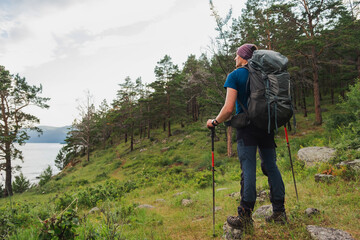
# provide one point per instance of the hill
(50, 135)
(123, 194)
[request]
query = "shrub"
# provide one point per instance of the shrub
(45, 176)
(347, 119)
(12, 218)
(20, 184)
(203, 179)
(60, 227)
(111, 190)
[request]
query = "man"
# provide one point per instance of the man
(249, 139)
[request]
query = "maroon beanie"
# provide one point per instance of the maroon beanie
(246, 51)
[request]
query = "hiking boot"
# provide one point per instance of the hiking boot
(277, 217)
(240, 222)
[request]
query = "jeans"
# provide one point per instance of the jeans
(249, 140)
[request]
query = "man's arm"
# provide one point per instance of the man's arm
(227, 109)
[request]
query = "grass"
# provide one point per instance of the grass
(179, 164)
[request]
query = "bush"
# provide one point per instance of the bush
(13, 218)
(203, 179)
(347, 120)
(60, 227)
(111, 190)
(45, 176)
(20, 184)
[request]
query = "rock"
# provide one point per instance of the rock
(94, 209)
(311, 211)
(180, 141)
(231, 233)
(354, 165)
(186, 202)
(263, 194)
(313, 155)
(321, 233)
(188, 136)
(263, 211)
(178, 194)
(142, 150)
(145, 206)
(218, 209)
(164, 149)
(198, 219)
(235, 194)
(221, 189)
(163, 141)
(323, 177)
(160, 200)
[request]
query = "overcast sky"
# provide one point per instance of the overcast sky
(73, 46)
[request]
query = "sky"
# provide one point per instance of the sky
(71, 47)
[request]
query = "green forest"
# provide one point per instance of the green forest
(128, 165)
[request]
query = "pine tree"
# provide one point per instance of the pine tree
(15, 96)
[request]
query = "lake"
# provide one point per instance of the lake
(37, 157)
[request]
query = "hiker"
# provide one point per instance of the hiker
(249, 139)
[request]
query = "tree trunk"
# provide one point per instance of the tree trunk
(132, 138)
(88, 147)
(304, 100)
(332, 85)
(8, 187)
(88, 153)
(294, 97)
(148, 132)
(126, 137)
(358, 64)
(318, 118)
(141, 131)
(169, 129)
(164, 125)
(229, 142)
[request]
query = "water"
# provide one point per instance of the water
(37, 157)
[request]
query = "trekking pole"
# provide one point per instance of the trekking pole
(213, 175)
(292, 168)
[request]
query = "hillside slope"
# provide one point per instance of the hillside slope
(139, 194)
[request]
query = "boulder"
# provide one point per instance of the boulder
(186, 202)
(235, 194)
(323, 177)
(218, 209)
(165, 149)
(311, 211)
(178, 194)
(145, 206)
(262, 196)
(354, 165)
(263, 211)
(143, 150)
(313, 155)
(321, 233)
(231, 233)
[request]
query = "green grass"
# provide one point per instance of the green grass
(185, 167)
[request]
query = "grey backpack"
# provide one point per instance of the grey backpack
(269, 103)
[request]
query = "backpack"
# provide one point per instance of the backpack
(269, 103)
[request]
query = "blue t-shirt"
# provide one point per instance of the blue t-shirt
(237, 80)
